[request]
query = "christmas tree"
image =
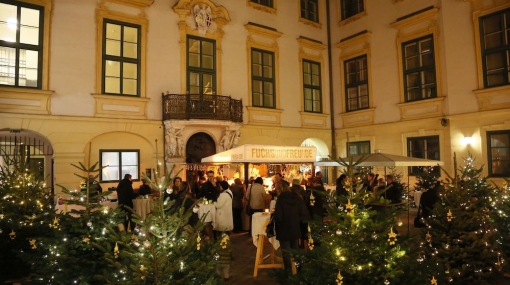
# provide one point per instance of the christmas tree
(164, 247)
(359, 243)
(460, 244)
(502, 206)
(26, 217)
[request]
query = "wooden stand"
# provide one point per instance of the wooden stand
(275, 261)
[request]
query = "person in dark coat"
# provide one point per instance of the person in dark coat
(428, 199)
(126, 194)
(319, 193)
(209, 189)
(145, 189)
(290, 210)
(298, 189)
(340, 189)
(238, 190)
(394, 193)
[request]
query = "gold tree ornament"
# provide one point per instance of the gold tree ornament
(116, 250)
(198, 241)
(449, 216)
(12, 235)
(86, 240)
(312, 199)
(310, 239)
(224, 241)
(32, 243)
(349, 208)
(428, 237)
(143, 268)
(433, 281)
(339, 278)
(55, 223)
(392, 237)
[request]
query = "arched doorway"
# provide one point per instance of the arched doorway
(31, 147)
(199, 145)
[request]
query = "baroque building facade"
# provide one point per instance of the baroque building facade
(133, 83)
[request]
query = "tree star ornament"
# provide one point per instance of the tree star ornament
(449, 216)
(86, 240)
(349, 208)
(312, 199)
(142, 268)
(55, 223)
(428, 237)
(433, 281)
(392, 237)
(32, 243)
(12, 235)
(198, 241)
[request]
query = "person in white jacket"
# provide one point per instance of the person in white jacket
(224, 220)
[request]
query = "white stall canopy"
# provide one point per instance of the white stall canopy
(250, 153)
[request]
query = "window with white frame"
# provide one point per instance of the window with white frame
(116, 163)
(499, 153)
(495, 42)
(21, 44)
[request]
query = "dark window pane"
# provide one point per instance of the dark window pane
(495, 42)
(419, 69)
(201, 66)
(426, 148)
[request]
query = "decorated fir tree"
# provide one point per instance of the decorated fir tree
(502, 206)
(26, 217)
(164, 247)
(460, 244)
(72, 257)
(360, 242)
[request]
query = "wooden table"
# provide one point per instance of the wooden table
(258, 232)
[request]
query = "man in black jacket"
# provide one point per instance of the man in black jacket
(290, 211)
(126, 194)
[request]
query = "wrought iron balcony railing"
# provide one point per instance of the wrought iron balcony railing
(196, 106)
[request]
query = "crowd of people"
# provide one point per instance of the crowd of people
(297, 202)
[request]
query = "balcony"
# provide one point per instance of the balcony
(196, 106)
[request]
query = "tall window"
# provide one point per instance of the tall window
(351, 8)
(21, 44)
(495, 33)
(312, 86)
(117, 163)
(358, 148)
(499, 153)
(121, 58)
(419, 69)
(356, 83)
(262, 78)
(201, 66)
(423, 147)
(268, 3)
(309, 10)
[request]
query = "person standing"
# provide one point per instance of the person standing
(209, 189)
(224, 221)
(290, 211)
(238, 190)
(126, 194)
(256, 196)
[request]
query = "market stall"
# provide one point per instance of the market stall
(256, 158)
